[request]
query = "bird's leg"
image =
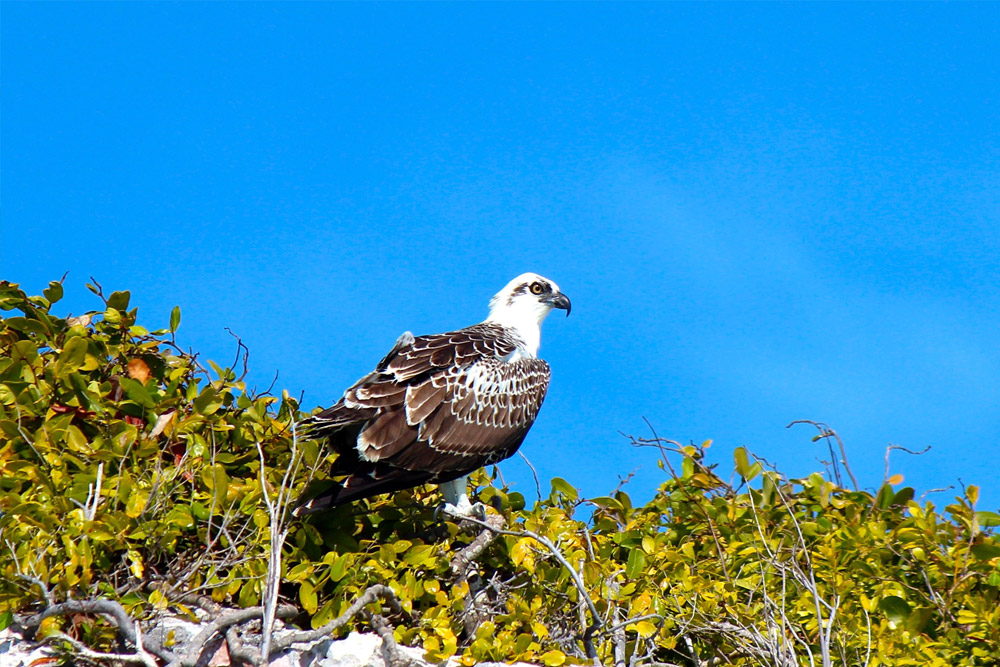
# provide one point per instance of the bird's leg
(457, 503)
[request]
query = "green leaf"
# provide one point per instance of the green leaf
(299, 572)
(918, 620)
(72, 356)
(137, 393)
(645, 628)
(988, 519)
(206, 403)
(307, 596)
(559, 485)
(180, 516)
(249, 595)
(896, 609)
(340, 566)
(903, 496)
(25, 325)
(217, 481)
(199, 511)
(767, 489)
(119, 300)
(323, 616)
(76, 441)
(884, 498)
(742, 462)
(54, 292)
(175, 318)
(985, 551)
(607, 501)
(516, 501)
(136, 502)
(553, 658)
(636, 563)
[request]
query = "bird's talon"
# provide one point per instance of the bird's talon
(461, 511)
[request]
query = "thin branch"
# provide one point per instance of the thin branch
(622, 481)
(534, 474)
(277, 509)
(240, 347)
(827, 433)
(891, 447)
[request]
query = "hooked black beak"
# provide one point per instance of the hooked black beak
(559, 300)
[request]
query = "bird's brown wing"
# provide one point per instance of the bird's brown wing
(436, 408)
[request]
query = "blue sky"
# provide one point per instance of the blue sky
(762, 212)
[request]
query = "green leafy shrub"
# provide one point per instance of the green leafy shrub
(131, 471)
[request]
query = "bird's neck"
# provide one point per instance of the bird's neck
(526, 323)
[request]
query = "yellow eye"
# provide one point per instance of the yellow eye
(536, 288)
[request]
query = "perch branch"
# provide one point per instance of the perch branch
(464, 558)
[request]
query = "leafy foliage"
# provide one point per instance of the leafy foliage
(130, 471)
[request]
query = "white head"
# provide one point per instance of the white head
(522, 305)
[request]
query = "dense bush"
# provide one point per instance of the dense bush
(131, 471)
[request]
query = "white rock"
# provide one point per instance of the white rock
(16, 652)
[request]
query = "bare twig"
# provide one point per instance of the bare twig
(93, 495)
(534, 474)
(240, 348)
(622, 481)
(828, 434)
(891, 447)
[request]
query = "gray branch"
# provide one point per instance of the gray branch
(371, 594)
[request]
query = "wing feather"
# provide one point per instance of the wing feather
(385, 436)
(423, 399)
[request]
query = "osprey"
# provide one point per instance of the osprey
(439, 407)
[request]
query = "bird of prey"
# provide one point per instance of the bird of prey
(439, 407)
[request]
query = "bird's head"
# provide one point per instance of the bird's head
(525, 301)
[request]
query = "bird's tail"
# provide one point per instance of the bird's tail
(362, 484)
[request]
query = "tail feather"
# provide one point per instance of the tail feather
(363, 484)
